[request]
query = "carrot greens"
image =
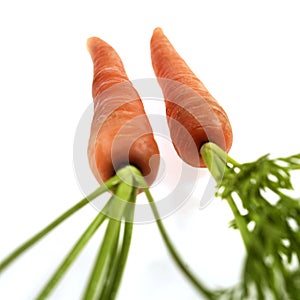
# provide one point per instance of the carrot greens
(267, 217)
(111, 259)
(107, 263)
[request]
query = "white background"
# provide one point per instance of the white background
(246, 53)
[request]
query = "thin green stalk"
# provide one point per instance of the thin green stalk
(72, 255)
(105, 255)
(240, 222)
(29, 243)
(175, 255)
(112, 266)
(216, 160)
(112, 285)
(119, 270)
(110, 241)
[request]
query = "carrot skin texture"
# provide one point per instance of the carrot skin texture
(194, 116)
(120, 131)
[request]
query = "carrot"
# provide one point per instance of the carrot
(121, 135)
(120, 132)
(202, 135)
(194, 116)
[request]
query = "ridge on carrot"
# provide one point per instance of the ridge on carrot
(270, 231)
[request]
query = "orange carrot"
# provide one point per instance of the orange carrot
(194, 116)
(120, 132)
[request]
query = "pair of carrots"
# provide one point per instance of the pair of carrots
(121, 133)
(123, 153)
(121, 136)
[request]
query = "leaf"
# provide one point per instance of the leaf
(273, 243)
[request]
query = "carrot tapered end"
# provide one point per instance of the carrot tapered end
(91, 43)
(157, 33)
(158, 30)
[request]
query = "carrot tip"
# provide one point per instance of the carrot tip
(158, 30)
(91, 43)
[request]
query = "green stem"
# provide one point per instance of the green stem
(110, 241)
(240, 222)
(112, 266)
(215, 163)
(221, 153)
(217, 160)
(72, 255)
(100, 269)
(114, 281)
(175, 255)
